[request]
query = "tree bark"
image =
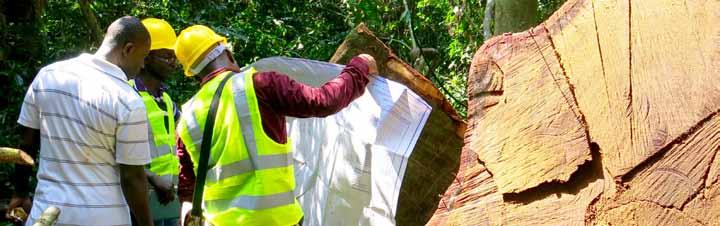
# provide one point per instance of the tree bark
(488, 20)
(418, 55)
(21, 20)
(3, 26)
(91, 21)
(39, 8)
(515, 15)
(608, 113)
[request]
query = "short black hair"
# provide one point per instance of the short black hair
(126, 29)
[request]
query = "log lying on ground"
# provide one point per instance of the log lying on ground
(435, 159)
(605, 114)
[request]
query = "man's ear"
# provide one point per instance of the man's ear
(128, 48)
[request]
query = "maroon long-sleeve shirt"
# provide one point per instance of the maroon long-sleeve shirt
(279, 96)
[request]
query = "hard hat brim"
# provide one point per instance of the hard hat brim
(170, 46)
(198, 56)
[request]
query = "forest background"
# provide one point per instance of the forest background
(36, 33)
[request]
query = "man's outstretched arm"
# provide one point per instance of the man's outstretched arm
(289, 97)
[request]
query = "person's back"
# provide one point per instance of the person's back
(250, 179)
(81, 104)
(91, 128)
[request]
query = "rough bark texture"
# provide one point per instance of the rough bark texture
(515, 15)
(3, 26)
(19, 20)
(20, 42)
(435, 159)
(608, 113)
(487, 21)
(91, 21)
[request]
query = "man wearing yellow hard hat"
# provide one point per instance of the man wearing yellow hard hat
(161, 113)
(249, 176)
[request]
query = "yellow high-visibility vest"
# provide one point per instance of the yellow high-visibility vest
(164, 161)
(250, 179)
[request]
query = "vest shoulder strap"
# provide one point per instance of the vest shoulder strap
(205, 148)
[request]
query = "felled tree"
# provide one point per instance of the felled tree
(605, 114)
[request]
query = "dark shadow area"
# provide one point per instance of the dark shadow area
(431, 169)
(586, 173)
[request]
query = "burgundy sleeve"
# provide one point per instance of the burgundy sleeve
(291, 98)
(186, 182)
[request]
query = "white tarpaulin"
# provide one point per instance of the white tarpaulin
(349, 166)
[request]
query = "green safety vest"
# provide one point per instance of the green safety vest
(164, 163)
(250, 179)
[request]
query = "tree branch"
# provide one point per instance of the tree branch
(487, 21)
(91, 21)
(431, 71)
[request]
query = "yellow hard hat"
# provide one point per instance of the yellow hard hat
(162, 34)
(193, 44)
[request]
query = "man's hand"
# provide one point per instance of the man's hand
(18, 201)
(163, 189)
(165, 194)
(372, 65)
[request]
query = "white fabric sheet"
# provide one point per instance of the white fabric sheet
(349, 167)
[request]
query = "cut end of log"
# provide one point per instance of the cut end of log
(637, 80)
(48, 217)
(17, 156)
(26, 159)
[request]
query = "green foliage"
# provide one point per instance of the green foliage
(256, 29)
(548, 7)
(453, 28)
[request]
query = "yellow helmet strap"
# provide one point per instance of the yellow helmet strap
(214, 53)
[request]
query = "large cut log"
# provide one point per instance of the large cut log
(435, 159)
(604, 114)
(533, 115)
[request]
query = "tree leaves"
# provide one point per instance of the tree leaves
(257, 29)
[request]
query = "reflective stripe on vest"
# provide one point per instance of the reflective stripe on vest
(250, 180)
(163, 163)
(254, 202)
(255, 162)
(245, 165)
(193, 126)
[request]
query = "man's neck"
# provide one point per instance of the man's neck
(212, 74)
(151, 82)
(107, 54)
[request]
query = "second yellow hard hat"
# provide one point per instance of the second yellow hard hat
(162, 35)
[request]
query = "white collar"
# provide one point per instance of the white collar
(103, 65)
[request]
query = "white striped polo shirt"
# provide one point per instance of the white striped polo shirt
(90, 120)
